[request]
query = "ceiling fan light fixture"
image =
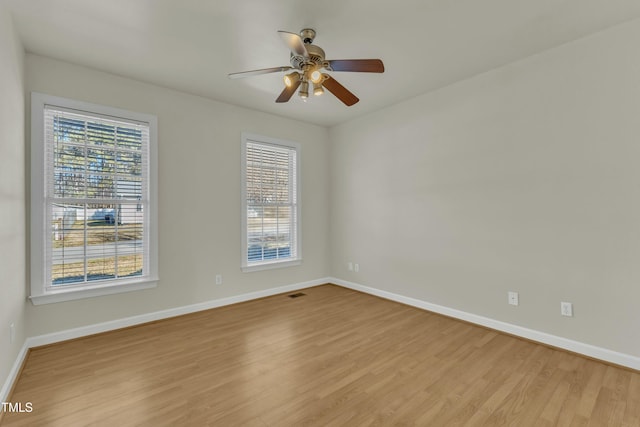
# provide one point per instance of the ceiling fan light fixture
(291, 78)
(304, 90)
(315, 76)
(317, 89)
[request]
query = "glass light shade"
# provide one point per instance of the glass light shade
(291, 78)
(304, 90)
(316, 76)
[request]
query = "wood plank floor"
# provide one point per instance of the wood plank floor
(334, 357)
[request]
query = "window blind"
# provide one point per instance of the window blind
(271, 203)
(96, 197)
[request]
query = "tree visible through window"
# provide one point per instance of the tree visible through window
(270, 205)
(95, 189)
(91, 197)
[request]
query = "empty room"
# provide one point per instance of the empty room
(339, 213)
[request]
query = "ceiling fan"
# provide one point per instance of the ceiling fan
(308, 62)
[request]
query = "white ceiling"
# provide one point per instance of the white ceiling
(191, 45)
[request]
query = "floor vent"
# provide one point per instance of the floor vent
(299, 294)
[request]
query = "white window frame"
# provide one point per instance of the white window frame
(40, 230)
(247, 266)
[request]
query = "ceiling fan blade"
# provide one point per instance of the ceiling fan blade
(359, 65)
(288, 91)
(340, 91)
(258, 72)
(294, 43)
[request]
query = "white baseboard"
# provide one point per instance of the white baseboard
(82, 331)
(611, 356)
(13, 373)
(589, 350)
(163, 314)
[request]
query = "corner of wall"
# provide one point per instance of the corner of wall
(12, 197)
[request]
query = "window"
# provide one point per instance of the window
(93, 204)
(270, 203)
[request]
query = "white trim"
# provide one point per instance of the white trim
(88, 291)
(40, 292)
(245, 266)
(589, 350)
(271, 265)
(13, 373)
(164, 314)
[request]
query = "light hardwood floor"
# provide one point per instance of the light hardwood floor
(334, 357)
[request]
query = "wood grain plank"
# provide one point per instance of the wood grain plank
(334, 357)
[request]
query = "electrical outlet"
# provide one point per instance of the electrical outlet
(218, 279)
(12, 333)
(566, 309)
(356, 268)
(350, 266)
(513, 298)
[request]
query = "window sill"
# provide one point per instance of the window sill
(61, 295)
(270, 265)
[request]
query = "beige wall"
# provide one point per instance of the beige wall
(12, 194)
(523, 178)
(199, 195)
(526, 178)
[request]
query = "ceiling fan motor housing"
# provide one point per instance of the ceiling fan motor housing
(315, 58)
